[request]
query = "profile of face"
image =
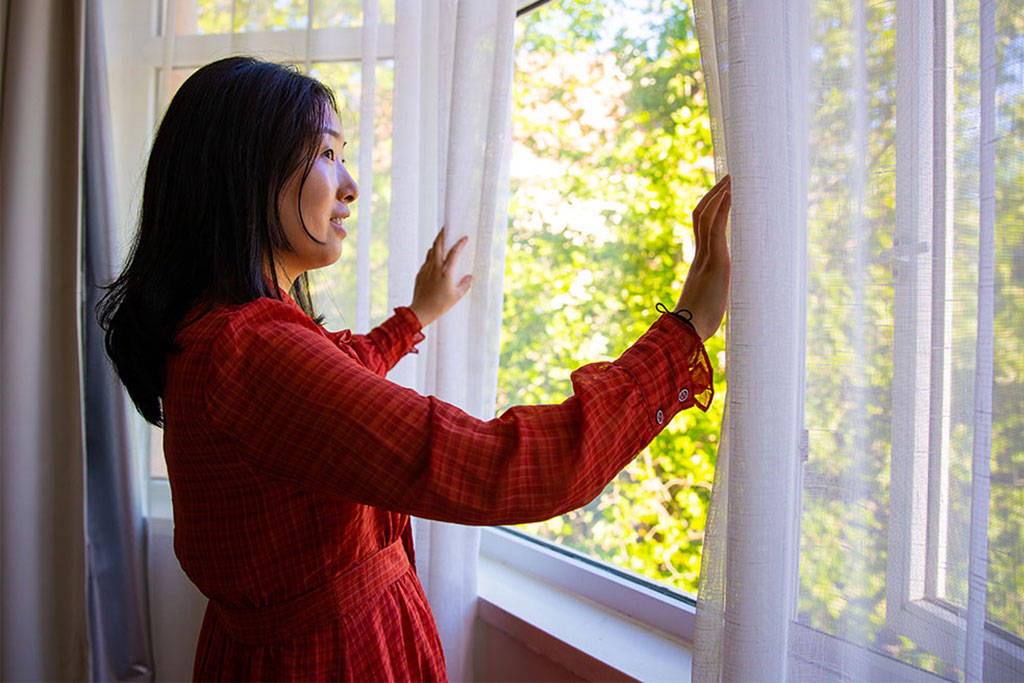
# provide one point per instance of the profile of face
(321, 204)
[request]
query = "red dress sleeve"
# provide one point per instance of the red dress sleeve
(300, 411)
(385, 345)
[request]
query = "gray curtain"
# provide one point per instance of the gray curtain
(118, 624)
(43, 633)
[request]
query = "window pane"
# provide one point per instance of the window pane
(1006, 514)
(850, 318)
(334, 287)
(611, 151)
(334, 13)
(270, 15)
(202, 16)
(342, 13)
(214, 16)
(952, 585)
(851, 586)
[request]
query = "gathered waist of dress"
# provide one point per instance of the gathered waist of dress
(283, 621)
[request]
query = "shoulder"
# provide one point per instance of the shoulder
(265, 315)
(221, 334)
(224, 321)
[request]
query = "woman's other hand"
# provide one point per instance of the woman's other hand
(707, 284)
(436, 290)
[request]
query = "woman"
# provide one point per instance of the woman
(293, 463)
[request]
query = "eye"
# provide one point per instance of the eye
(329, 153)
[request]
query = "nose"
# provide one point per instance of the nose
(348, 191)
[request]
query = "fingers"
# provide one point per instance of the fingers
(707, 213)
(707, 219)
(437, 248)
(464, 285)
(710, 213)
(453, 253)
(701, 209)
(719, 247)
(719, 187)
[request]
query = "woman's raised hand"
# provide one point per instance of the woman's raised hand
(707, 284)
(436, 290)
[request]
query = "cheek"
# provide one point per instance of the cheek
(318, 194)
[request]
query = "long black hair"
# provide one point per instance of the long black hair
(209, 226)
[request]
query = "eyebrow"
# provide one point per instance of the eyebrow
(333, 133)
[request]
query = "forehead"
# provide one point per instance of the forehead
(332, 126)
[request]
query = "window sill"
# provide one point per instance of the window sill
(600, 628)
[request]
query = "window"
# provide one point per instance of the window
(933, 572)
(612, 149)
(892, 331)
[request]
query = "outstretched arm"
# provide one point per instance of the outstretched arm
(338, 428)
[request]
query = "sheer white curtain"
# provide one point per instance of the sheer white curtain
(867, 519)
(452, 118)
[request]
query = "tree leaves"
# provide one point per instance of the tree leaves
(612, 151)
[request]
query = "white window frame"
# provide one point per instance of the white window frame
(600, 623)
(920, 459)
(659, 606)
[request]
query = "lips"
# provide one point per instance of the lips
(336, 221)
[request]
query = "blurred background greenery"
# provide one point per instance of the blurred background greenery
(612, 149)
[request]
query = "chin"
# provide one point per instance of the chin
(331, 257)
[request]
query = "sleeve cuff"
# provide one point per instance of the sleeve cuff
(406, 328)
(702, 385)
(671, 368)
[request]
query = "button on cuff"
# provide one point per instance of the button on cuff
(659, 417)
(683, 395)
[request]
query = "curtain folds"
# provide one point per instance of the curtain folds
(452, 127)
(118, 613)
(867, 517)
(43, 625)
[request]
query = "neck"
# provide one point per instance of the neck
(284, 280)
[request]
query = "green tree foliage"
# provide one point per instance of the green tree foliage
(612, 152)
(1005, 602)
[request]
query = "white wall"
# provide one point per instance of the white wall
(175, 606)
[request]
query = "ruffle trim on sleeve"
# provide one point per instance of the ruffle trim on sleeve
(410, 326)
(340, 338)
(702, 384)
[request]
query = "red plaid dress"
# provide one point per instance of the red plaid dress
(294, 466)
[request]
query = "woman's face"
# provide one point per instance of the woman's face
(324, 205)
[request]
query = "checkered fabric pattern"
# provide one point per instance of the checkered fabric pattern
(292, 460)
